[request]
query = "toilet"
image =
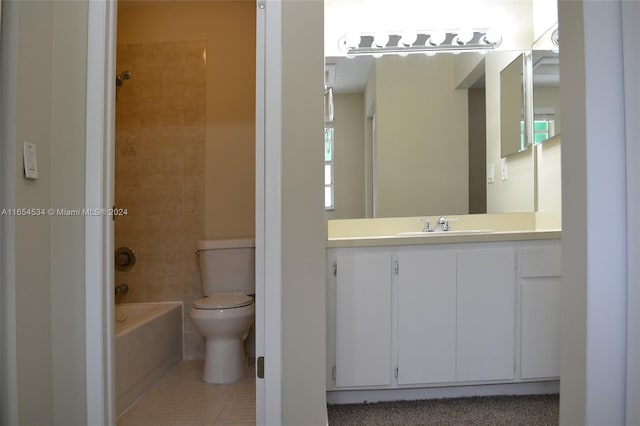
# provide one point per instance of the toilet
(227, 311)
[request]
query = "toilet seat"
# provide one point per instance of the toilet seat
(223, 301)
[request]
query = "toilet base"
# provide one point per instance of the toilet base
(225, 361)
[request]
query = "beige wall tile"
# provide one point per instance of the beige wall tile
(149, 175)
(154, 149)
(174, 55)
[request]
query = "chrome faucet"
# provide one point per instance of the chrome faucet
(443, 224)
(427, 226)
(122, 289)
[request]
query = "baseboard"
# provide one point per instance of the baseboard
(378, 395)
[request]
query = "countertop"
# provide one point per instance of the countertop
(443, 238)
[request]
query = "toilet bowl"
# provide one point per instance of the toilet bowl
(224, 320)
(227, 312)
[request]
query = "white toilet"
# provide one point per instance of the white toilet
(226, 313)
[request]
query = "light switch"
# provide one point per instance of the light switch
(503, 168)
(490, 173)
(30, 160)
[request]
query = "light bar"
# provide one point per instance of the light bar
(425, 41)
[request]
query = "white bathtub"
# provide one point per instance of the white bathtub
(148, 345)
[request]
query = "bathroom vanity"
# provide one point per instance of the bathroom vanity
(410, 310)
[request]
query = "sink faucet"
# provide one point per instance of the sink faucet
(443, 224)
(122, 289)
(427, 226)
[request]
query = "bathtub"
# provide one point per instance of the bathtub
(148, 345)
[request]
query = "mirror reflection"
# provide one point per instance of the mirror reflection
(512, 110)
(546, 87)
(410, 133)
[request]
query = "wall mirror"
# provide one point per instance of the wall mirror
(545, 64)
(413, 131)
(513, 134)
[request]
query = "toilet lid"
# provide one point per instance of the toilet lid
(223, 300)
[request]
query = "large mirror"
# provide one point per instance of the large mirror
(410, 133)
(546, 87)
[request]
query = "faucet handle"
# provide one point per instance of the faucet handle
(443, 223)
(427, 225)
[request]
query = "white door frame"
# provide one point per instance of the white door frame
(268, 210)
(99, 188)
(99, 184)
(631, 32)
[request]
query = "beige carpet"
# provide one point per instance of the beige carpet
(495, 411)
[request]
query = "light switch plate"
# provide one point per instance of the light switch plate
(490, 173)
(503, 168)
(30, 160)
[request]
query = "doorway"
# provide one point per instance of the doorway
(184, 148)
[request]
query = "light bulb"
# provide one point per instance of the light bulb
(465, 36)
(492, 37)
(408, 38)
(403, 54)
(380, 40)
(377, 55)
(352, 40)
(436, 38)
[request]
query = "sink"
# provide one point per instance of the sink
(430, 233)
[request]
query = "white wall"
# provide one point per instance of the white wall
(548, 172)
(67, 190)
(43, 101)
(594, 281)
(303, 224)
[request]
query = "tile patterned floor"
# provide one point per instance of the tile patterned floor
(182, 399)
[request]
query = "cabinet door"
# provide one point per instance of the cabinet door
(540, 301)
(426, 317)
(486, 306)
(363, 319)
(540, 327)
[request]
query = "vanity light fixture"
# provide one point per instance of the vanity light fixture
(379, 44)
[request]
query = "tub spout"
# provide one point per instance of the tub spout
(122, 289)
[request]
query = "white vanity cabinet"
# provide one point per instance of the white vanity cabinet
(442, 314)
(363, 319)
(423, 315)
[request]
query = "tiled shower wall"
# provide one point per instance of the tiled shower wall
(160, 173)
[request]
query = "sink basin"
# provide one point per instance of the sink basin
(460, 232)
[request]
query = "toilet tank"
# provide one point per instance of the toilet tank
(227, 265)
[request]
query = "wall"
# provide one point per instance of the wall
(303, 224)
(419, 144)
(549, 167)
(228, 27)
(349, 157)
(43, 101)
(594, 257)
(184, 143)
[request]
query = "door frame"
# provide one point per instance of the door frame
(99, 190)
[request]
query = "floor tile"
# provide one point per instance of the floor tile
(182, 399)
